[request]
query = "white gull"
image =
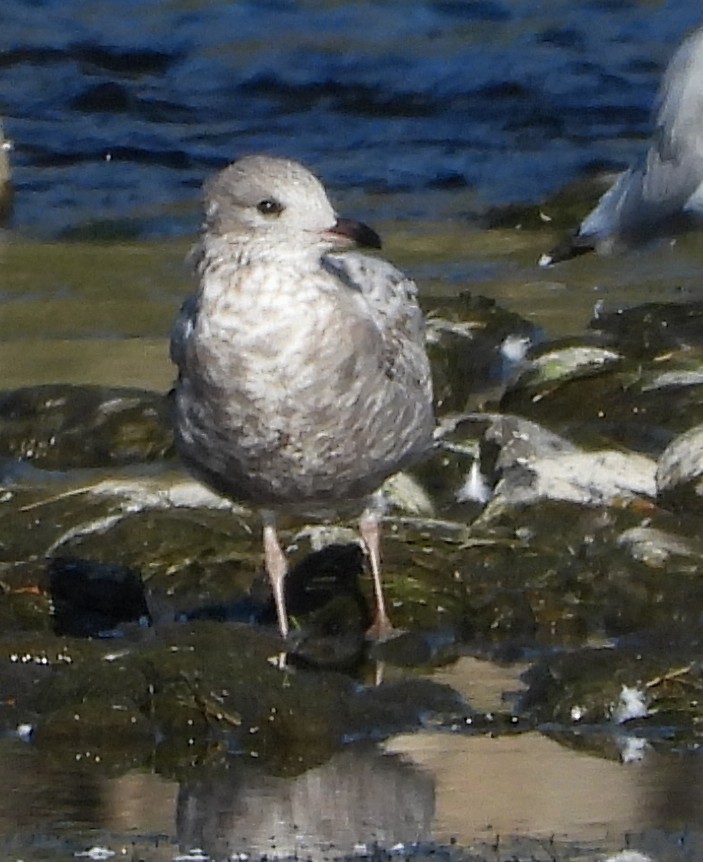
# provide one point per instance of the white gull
(663, 192)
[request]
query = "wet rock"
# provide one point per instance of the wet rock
(328, 609)
(573, 546)
(510, 461)
(29, 661)
(403, 493)
(599, 396)
(559, 573)
(203, 682)
(533, 464)
(563, 383)
(518, 441)
(602, 478)
(100, 704)
(662, 548)
(62, 427)
(647, 330)
(414, 649)
(680, 472)
(197, 551)
(452, 478)
(655, 683)
(25, 600)
(475, 347)
(186, 556)
(192, 549)
(557, 363)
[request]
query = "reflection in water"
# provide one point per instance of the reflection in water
(356, 797)
(428, 787)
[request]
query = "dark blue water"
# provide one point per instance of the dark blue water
(430, 109)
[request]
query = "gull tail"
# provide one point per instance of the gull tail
(570, 247)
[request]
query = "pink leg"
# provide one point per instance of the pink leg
(370, 529)
(276, 568)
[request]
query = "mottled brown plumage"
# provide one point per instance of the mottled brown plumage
(303, 379)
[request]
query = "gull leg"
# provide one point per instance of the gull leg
(276, 568)
(370, 530)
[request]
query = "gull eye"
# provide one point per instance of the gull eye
(269, 207)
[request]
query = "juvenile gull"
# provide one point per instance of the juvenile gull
(662, 193)
(303, 380)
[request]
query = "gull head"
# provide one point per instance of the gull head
(278, 202)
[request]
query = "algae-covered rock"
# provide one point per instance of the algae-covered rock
(25, 598)
(61, 427)
(652, 328)
(475, 347)
(549, 524)
(201, 684)
(653, 682)
(596, 393)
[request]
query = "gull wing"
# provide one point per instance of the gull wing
(391, 301)
(182, 330)
(655, 195)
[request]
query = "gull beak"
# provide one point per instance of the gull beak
(347, 232)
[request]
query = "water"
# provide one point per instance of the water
(426, 787)
(119, 110)
(420, 117)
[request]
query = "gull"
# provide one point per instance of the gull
(662, 193)
(303, 380)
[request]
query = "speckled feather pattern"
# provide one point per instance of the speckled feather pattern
(303, 378)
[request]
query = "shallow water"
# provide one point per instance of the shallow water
(420, 117)
(426, 789)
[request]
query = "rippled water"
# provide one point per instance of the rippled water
(118, 110)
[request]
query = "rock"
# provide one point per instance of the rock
(476, 348)
(534, 464)
(62, 427)
(653, 328)
(680, 472)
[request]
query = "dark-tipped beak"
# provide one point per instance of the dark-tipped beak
(346, 231)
